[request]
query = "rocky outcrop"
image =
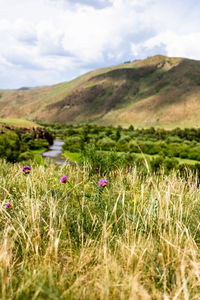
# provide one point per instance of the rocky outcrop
(37, 132)
(42, 133)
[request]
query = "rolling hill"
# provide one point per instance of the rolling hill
(157, 91)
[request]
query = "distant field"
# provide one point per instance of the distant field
(75, 157)
(170, 149)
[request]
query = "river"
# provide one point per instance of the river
(55, 152)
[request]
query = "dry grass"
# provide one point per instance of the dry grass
(138, 238)
(19, 123)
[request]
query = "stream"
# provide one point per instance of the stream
(55, 152)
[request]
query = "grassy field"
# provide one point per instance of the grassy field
(75, 157)
(19, 123)
(72, 156)
(136, 238)
(180, 160)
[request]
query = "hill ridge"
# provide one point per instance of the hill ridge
(156, 91)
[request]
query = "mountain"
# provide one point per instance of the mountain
(23, 88)
(156, 91)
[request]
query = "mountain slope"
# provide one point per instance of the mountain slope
(157, 91)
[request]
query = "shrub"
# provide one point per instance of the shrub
(106, 143)
(39, 143)
(123, 147)
(25, 156)
(156, 163)
(72, 144)
(131, 128)
(133, 147)
(124, 139)
(105, 161)
(170, 163)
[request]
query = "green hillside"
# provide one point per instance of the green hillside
(19, 123)
(21, 139)
(157, 91)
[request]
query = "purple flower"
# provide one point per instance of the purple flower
(8, 205)
(103, 182)
(26, 170)
(63, 179)
(96, 169)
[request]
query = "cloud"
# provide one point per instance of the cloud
(55, 40)
(171, 44)
(98, 4)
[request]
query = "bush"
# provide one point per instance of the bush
(123, 147)
(26, 137)
(104, 161)
(38, 144)
(156, 163)
(124, 139)
(72, 144)
(170, 163)
(10, 147)
(25, 156)
(106, 144)
(132, 146)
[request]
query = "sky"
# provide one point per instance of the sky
(43, 42)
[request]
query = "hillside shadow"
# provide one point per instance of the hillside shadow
(120, 87)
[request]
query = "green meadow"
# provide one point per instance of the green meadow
(104, 146)
(135, 238)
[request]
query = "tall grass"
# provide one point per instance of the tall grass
(137, 238)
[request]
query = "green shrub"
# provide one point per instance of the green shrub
(11, 147)
(106, 144)
(156, 163)
(133, 147)
(26, 137)
(104, 161)
(194, 154)
(124, 139)
(39, 143)
(25, 156)
(170, 163)
(72, 144)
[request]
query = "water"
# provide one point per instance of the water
(55, 152)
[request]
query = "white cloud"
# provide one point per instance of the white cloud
(64, 37)
(184, 45)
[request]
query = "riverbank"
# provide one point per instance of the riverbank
(55, 152)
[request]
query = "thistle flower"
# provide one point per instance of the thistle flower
(96, 169)
(63, 179)
(26, 169)
(8, 205)
(103, 182)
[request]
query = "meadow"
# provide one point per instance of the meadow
(136, 237)
(173, 149)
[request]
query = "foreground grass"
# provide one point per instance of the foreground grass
(137, 238)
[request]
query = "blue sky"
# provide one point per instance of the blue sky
(43, 42)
